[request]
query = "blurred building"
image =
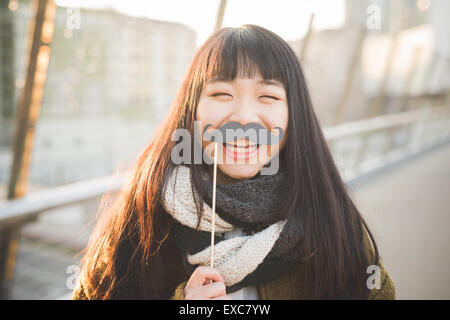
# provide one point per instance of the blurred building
(417, 68)
(328, 58)
(422, 50)
(394, 14)
(397, 15)
(111, 78)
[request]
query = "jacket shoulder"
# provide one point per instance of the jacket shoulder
(383, 287)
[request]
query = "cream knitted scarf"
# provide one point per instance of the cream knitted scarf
(263, 253)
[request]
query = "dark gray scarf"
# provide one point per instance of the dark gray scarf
(252, 205)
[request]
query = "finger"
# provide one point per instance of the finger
(201, 274)
(213, 290)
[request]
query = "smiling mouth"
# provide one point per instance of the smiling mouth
(241, 150)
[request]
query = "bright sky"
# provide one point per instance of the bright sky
(287, 18)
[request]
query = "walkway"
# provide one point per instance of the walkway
(408, 209)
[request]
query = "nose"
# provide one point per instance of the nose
(245, 112)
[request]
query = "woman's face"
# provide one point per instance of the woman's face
(245, 101)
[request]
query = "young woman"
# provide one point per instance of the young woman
(293, 234)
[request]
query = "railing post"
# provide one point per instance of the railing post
(9, 244)
(28, 110)
(355, 61)
(409, 78)
(302, 55)
(364, 146)
(220, 14)
(377, 107)
(392, 135)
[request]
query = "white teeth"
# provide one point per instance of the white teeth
(241, 145)
(236, 148)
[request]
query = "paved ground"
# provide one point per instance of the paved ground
(41, 271)
(408, 208)
(48, 254)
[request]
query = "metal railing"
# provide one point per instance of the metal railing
(28, 208)
(360, 147)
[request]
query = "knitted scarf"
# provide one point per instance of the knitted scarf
(269, 246)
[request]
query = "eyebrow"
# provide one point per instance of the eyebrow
(272, 82)
(265, 82)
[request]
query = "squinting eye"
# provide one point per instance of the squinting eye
(275, 98)
(220, 94)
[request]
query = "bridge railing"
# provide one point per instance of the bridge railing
(362, 146)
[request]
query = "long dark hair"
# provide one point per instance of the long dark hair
(128, 255)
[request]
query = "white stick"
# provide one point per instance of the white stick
(214, 205)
